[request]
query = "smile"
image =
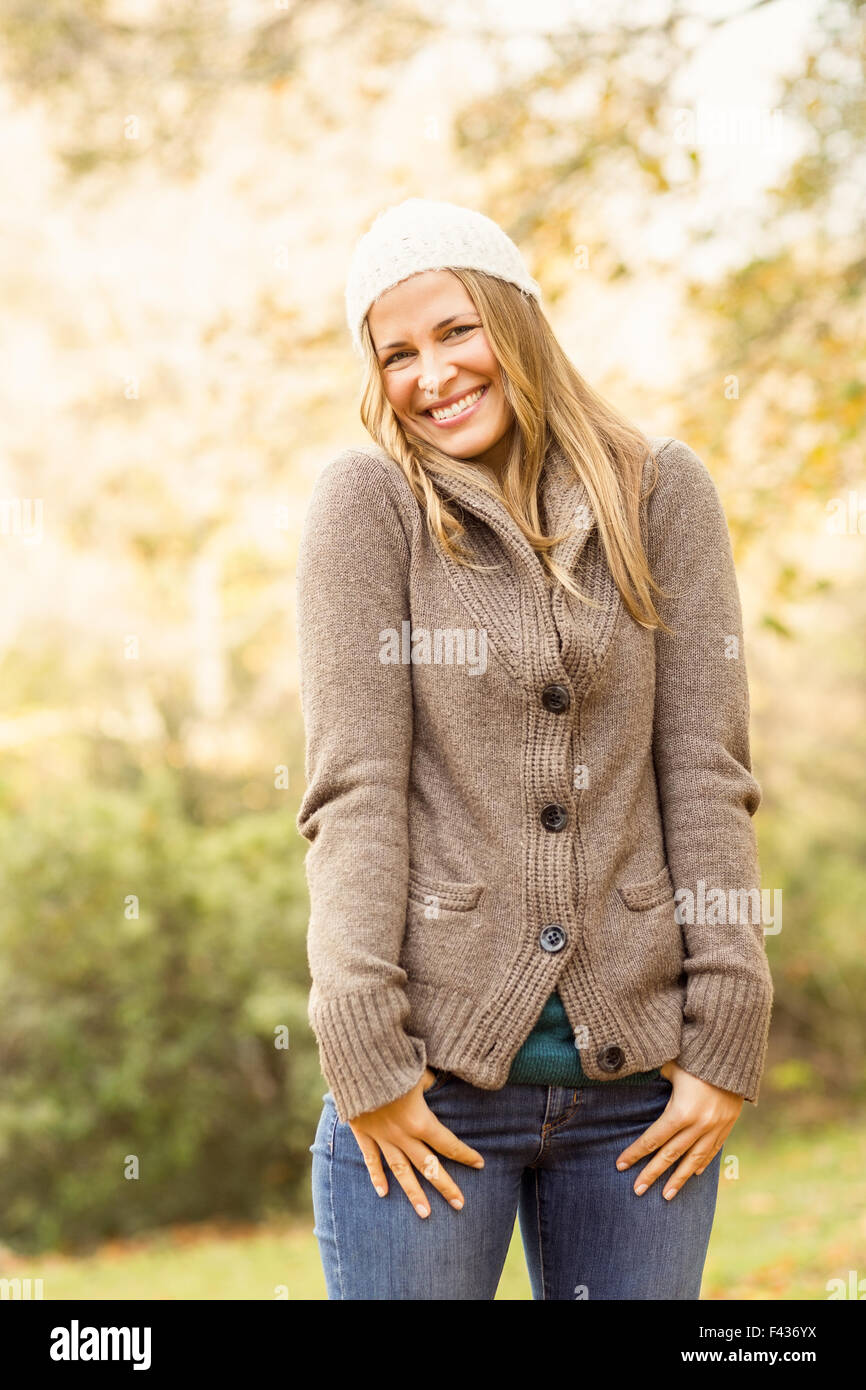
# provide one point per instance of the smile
(460, 410)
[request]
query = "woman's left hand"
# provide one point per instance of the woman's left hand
(692, 1127)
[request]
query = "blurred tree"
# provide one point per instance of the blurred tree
(163, 504)
(578, 112)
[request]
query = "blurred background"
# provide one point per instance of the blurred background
(183, 185)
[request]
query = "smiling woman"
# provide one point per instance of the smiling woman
(431, 335)
(433, 322)
(502, 992)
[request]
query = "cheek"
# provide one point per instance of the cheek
(398, 398)
(501, 403)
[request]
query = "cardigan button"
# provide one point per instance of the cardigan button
(552, 937)
(555, 698)
(610, 1058)
(554, 817)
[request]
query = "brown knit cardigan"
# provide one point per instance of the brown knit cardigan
(509, 792)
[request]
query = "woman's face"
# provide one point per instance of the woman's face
(425, 330)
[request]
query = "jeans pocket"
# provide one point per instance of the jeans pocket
(664, 1090)
(323, 1141)
(442, 1078)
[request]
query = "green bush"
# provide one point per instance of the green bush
(819, 969)
(150, 1035)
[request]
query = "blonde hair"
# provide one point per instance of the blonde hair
(551, 402)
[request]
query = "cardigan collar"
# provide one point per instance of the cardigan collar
(565, 501)
(557, 637)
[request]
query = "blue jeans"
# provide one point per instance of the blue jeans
(550, 1159)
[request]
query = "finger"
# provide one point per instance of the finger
(699, 1155)
(405, 1175)
(721, 1140)
(373, 1160)
(668, 1124)
(446, 1142)
(670, 1151)
(428, 1163)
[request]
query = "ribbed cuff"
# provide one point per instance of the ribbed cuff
(724, 1039)
(366, 1056)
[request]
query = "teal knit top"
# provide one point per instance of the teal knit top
(549, 1057)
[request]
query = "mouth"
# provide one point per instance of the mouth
(460, 411)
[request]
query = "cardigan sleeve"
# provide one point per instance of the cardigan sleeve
(707, 792)
(351, 585)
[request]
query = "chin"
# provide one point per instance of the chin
(468, 450)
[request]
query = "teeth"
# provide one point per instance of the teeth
(451, 410)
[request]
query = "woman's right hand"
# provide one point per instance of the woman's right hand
(400, 1129)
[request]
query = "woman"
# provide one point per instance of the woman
(539, 984)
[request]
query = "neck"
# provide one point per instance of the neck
(494, 459)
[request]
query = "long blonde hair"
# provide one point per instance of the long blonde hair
(551, 402)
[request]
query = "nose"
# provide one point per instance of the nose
(432, 375)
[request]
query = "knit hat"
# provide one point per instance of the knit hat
(422, 234)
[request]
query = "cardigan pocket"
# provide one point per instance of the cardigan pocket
(439, 894)
(642, 944)
(639, 945)
(443, 944)
(651, 893)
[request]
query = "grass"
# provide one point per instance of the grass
(791, 1216)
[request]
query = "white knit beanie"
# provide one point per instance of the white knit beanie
(421, 234)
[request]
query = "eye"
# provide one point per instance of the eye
(459, 328)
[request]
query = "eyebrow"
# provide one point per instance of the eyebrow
(443, 323)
